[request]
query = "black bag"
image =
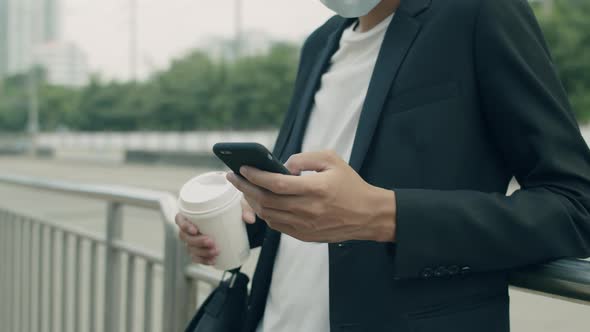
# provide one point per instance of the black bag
(225, 308)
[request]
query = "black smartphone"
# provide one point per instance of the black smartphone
(236, 155)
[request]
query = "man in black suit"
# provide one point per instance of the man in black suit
(418, 233)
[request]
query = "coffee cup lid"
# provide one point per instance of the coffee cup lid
(206, 193)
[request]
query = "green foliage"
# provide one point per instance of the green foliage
(198, 92)
(195, 93)
(256, 90)
(59, 106)
(566, 24)
(13, 104)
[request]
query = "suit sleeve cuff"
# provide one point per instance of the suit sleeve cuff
(420, 234)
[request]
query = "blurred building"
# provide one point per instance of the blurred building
(64, 63)
(25, 24)
(51, 17)
(3, 36)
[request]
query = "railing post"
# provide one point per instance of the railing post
(114, 231)
(171, 268)
(193, 298)
(182, 288)
(4, 252)
(40, 273)
(175, 282)
(51, 279)
(11, 273)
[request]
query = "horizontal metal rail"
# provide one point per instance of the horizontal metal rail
(149, 199)
(207, 276)
(568, 279)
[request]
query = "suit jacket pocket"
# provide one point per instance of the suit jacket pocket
(482, 315)
(410, 99)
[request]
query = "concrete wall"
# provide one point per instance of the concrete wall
(172, 148)
(195, 142)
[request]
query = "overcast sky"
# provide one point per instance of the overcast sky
(168, 28)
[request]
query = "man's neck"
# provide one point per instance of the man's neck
(377, 15)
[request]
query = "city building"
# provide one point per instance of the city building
(25, 24)
(3, 37)
(51, 19)
(64, 63)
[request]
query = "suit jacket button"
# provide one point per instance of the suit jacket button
(465, 269)
(441, 271)
(427, 273)
(453, 269)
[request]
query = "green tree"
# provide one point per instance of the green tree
(566, 24)
(13, 104)
(257, 89)
(196, 92)
(180, 96)
(100, 107)
(58, 107)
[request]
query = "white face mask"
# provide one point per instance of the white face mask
(351, 8)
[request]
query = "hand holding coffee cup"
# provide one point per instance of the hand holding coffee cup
(211, 218)
(201, 248)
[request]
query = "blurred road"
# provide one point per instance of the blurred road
(529, 312)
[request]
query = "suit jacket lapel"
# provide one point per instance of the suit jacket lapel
(293, 144)
(295, 127)
(399, 37)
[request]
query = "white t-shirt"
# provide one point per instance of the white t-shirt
(298, 300)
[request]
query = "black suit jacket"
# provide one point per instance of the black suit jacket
(464, 96)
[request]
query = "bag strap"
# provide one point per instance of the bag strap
(234, 274)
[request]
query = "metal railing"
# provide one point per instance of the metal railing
(567, 279)
(29, 257)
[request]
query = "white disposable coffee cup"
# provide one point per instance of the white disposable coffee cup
(212, 204)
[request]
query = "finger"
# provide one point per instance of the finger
(311, 161)
(186, 225)
(283, 220)
(203, 261)
(254, 193)
(292, 225)
(248, 214)
(200, 241)
(206, 261)
(275, 182)
(252, 203)
(187, 238)
(291, 231)
(243, 185)
(304, 237)
(205, 254)
(259, 197)
(196, 259)
(182, 236)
